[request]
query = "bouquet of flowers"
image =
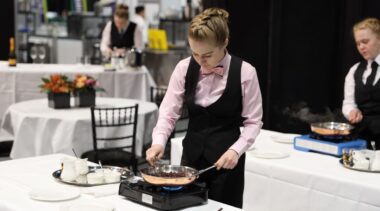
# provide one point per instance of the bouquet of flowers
(85, 83)
(57, 83)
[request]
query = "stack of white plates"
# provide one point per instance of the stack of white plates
(285, 138)
(269, 154)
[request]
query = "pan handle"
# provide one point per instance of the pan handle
(203, 171)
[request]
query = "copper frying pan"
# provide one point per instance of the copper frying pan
(331, 128)
(171, 175)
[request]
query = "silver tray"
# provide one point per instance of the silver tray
(125, 175)
(356, 169)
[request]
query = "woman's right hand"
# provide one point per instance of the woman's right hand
(355, 116)
(154, 153)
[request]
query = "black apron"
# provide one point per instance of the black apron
(367, 99)
(211, 132)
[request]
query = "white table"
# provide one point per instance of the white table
(302, 181)
(20, 83)
(40, 130)
(19, 177)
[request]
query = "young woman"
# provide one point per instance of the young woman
(221, 93)
(120, 33)
(361, 104)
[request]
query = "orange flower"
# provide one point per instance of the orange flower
(85, 83)
(55, 78)
(79, 84)
(56, 83)
(80, 81)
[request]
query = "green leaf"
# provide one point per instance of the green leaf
(100, 89)
(45, 80)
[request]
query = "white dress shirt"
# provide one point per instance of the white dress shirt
(143, 25)
(349, 85)
(106, 38)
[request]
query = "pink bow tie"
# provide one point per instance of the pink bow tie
(217, 70)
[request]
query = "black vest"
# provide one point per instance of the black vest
(125, 40)
(212, 130)
(366, 97)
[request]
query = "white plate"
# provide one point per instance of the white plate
(42, 194)
(283, 138)
(269, 154)
(91, 205)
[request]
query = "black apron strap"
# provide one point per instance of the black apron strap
(191, 81)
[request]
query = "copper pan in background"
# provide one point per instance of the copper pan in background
(331, 128)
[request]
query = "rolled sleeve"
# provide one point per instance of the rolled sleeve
(349, 92)
(106, 38)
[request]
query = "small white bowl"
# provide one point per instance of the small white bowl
(112, 176)
(95, 178)
(82, 179)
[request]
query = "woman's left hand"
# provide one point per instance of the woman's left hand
(228, 160)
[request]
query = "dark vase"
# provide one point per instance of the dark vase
(85, 98)
(58, 100)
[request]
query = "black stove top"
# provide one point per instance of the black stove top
(163, 198)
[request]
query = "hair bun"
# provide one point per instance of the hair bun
(212, 12)
(210, 24)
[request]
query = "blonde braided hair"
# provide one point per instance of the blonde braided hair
(211, 24)
(369, 23)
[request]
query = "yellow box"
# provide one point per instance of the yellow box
(157, 39)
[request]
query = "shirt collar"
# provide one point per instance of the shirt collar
(377, 59)
(224, 63)
(125, 27)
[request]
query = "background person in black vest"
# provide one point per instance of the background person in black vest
(361, 104)
(120, 34)
(221, 93)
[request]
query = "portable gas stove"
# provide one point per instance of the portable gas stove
(164, 198)
(332, 145)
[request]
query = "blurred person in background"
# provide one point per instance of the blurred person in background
(361, 104)
(139, 19)
(120, 34)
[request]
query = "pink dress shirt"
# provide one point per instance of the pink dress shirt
(209, 88)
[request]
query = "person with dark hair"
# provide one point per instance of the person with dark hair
(120, 33)
(221, 92)
(140, 9)
(139, 19)
(361, 104)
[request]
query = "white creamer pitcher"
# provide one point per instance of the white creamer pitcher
(69, 172)
(81, 166)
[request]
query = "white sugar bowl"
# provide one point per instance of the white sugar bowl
(95, 178)
(112, 176)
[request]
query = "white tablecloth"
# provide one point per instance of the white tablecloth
(40, 130)
(19, 177)
(20, 83)
(302, 181)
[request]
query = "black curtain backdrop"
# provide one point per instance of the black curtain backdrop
(302, 51)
